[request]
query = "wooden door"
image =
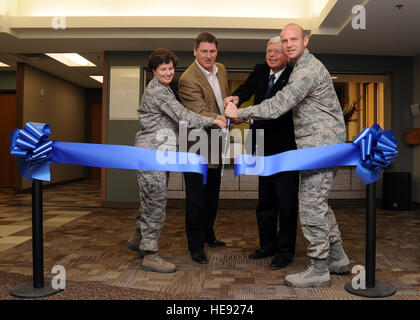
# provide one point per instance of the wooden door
(7, 125)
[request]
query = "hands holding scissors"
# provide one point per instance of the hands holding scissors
(231, 111)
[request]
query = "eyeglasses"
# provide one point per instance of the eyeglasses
(273, 51)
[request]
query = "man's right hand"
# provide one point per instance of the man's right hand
(233, 99)
(231, 111)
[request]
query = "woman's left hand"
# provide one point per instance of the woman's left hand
(220, 121)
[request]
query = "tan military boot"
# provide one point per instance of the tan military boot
(316, 275)
(134, 242)
(153, 262)
(338, 262)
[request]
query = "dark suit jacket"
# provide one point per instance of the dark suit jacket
(279, 133)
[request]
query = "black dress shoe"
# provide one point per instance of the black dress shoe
(261, 253)
(279, 263)
(199, 257)
(215, 243)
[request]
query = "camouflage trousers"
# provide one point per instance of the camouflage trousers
(316, 217)
(153, 187)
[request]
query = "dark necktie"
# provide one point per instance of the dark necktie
(270, 84)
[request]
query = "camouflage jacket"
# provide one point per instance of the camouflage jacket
(317, 115)
(159, 115)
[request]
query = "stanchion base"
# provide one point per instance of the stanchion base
(27, 290)
(381, 289)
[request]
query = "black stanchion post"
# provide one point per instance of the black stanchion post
(37, 232)
(38, 287)
(370, 235)
(373, 289)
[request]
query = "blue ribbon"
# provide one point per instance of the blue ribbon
(34, 152)
(372, 150)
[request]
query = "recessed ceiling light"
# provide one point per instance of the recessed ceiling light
(98, 78)
(3, 65)
(71, 59)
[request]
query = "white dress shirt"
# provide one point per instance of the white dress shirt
(214, 83)
(277, 74)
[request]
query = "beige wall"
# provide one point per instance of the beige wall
(416, 124)
(62, 106)
(347, 185)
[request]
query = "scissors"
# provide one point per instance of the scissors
(226, 144)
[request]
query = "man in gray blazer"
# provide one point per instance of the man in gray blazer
(318, 120)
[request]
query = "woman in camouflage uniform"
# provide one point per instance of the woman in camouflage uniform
(159, 116)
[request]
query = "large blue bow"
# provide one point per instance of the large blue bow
(32, 149)
(378, 149)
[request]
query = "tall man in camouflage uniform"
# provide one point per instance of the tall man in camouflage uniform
(318, 121)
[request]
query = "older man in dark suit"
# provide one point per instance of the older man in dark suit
(278, 194)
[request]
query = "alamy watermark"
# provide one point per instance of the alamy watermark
(58, 282)
(359, 281)
(199, 141)
(359, 20)
(58, 23)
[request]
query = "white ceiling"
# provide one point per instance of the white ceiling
(389, 31)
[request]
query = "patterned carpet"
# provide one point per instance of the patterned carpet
(88, 241)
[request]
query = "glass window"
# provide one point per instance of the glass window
(365, 101)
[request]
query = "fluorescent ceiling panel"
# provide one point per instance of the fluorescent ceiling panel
(98, 78)
(71, 59)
